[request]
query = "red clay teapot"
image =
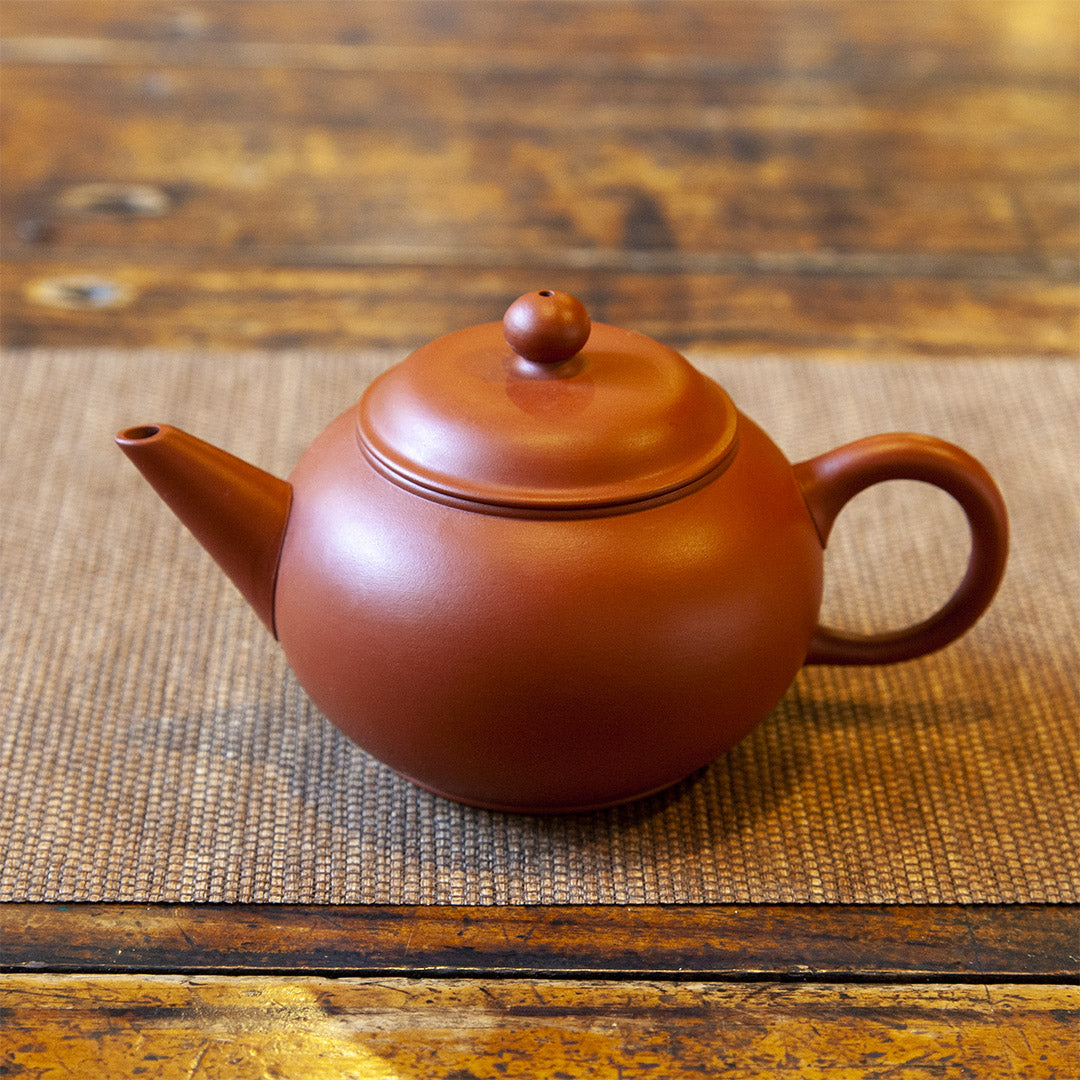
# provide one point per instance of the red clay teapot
(547, 565)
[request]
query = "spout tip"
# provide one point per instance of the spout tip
(132, 435)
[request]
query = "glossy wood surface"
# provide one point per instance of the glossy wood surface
(821, 179)
(304, 1028)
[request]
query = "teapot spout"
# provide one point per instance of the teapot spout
(236, 511)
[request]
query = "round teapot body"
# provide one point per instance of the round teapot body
(546, 663)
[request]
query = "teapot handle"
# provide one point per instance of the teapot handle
(829, 481)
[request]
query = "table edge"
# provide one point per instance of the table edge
(841, 942)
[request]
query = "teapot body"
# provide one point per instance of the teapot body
(547, 565)
(538, 662)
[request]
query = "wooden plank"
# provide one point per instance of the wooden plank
(981, 943)
(854, 39)
(245, 161)
(500, 151)
(140, 303)
(169, 1027)
(746, 132)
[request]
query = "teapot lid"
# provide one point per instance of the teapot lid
(548, 411)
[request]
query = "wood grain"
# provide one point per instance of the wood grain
(254, 159)
(133, 305)
(845, 178)
(972, 38)
(976, 943)
(300, 1027)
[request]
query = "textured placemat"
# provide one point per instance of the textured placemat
(154, 746)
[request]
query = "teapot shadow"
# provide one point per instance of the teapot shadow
(660, 848)
(747, 823)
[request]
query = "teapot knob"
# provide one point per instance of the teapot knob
(546, 327)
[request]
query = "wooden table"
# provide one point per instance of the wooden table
(850, 179)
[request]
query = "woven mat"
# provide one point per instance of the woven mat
(154, 747)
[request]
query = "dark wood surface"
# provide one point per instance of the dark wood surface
(951, 943)
(819, 179)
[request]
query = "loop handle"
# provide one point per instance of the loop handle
(829, 481)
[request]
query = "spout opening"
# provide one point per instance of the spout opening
(138, 434)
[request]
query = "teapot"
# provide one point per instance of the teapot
(547, 565)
